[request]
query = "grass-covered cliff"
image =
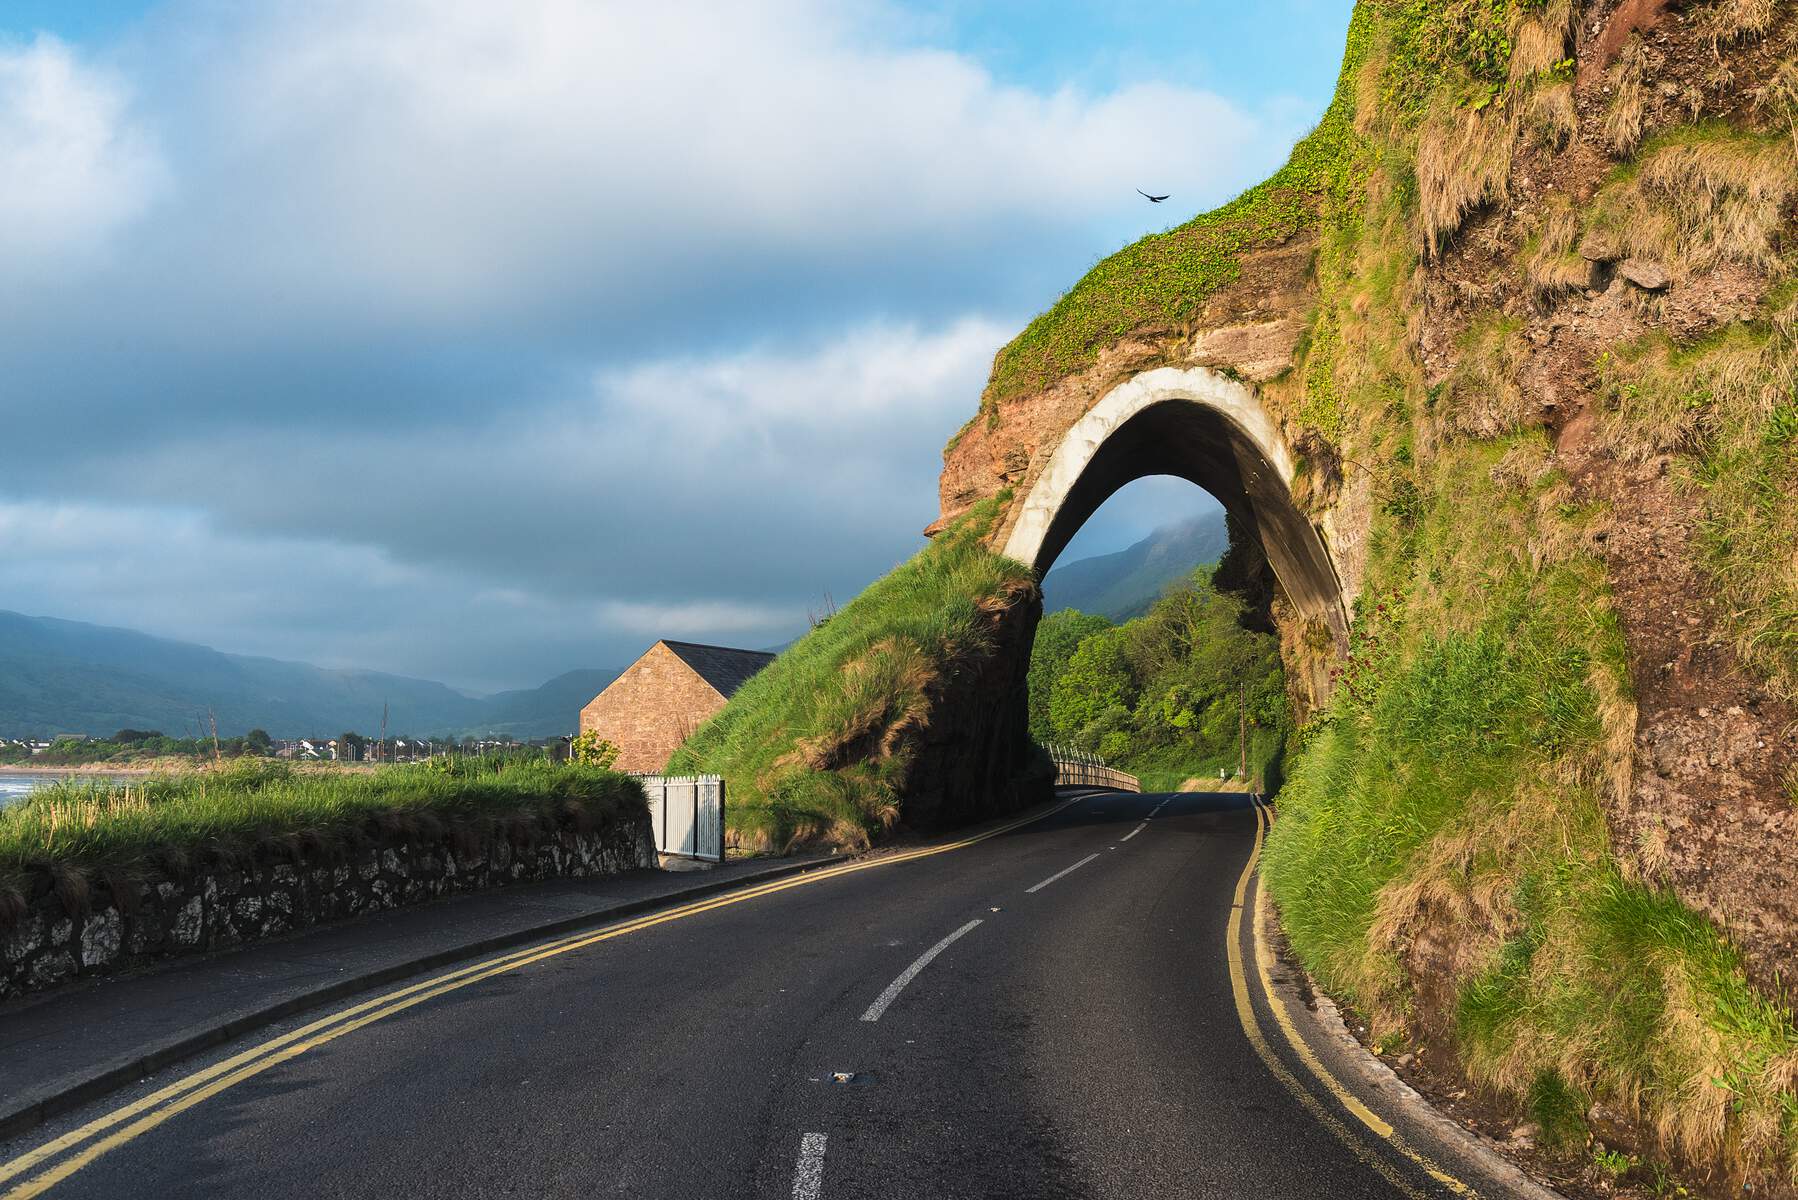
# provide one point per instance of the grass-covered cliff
(905, 705)
(1543, 828)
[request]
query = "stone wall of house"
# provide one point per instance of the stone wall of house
(57, 940)
(649, 710)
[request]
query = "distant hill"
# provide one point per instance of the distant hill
(69, 677)
(1123, 585)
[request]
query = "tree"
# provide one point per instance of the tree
(259, 741)
(590, 750)
(1057, 637)
(1097, 678)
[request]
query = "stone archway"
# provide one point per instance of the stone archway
(1199, 425)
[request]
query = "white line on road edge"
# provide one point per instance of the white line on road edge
(910, 973)
(1069, 871)
(1125, 838)
(808, 1176)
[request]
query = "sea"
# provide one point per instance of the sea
(16, 785)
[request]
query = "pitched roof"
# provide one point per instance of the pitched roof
(723, 667)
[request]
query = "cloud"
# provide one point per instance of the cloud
(712, 498)
(481, 341)
(78, 166)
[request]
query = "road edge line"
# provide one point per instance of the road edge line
(1380, 1077)
(122, 1073)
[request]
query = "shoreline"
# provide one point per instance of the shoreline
(28, 768)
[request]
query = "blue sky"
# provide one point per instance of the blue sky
(480, 342)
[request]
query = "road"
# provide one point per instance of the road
(1054, 1010)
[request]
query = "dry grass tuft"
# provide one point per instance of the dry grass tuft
(1702, 199)
(1487, 400)
(1463, 162)
(1553, 270)
(1780, 98)
(1540, 42)
(1551, 119)
(1626, 118)
(1731, 22)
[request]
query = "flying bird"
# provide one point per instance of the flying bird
(1151, 199)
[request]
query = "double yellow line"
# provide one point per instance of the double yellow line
(78, 1148)
(1251, 1028)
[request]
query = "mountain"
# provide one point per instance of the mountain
(69, 677)
(549, 709)
(1123, 585)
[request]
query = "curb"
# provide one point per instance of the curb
(122, 1072)
(1381, 1077)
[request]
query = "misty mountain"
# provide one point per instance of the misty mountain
(1123, 585)
(70, 677)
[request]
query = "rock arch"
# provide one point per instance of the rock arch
(1202, 426)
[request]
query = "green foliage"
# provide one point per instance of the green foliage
(814, 746)
(1057, 637)
(1465, 43)
(591, 750)
(1162, 696)
(233, 813)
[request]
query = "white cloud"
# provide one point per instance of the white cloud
(707, 498)
(457, 160)
(76, 165)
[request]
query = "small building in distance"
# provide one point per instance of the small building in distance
(648, 711)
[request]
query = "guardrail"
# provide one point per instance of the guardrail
(687, 814)
(1076, 768)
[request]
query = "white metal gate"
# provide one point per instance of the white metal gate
(687, 814)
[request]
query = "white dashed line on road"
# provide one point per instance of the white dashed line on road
(1134, 832)
(910, 973)
(1067, 871)
(808, 1176)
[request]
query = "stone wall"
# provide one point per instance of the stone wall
(648, 711)
(57, 939)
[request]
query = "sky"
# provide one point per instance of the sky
(482, 342)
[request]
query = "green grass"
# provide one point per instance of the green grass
(77, 833)
(817, 748)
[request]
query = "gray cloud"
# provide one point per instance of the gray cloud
(482, 341)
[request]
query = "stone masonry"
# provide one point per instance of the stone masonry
(227, 905)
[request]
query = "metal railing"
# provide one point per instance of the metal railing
(1077, 768)
(687, 814)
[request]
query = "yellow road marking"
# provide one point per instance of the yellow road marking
(190, 1090)
(1251, 1028)
(1347, 1099)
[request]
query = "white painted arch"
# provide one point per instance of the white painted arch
(1200, 425)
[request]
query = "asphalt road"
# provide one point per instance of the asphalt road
(1078, 1032)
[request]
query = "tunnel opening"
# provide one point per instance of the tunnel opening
(1238, 654)
(1157, 649)
(1212, 431)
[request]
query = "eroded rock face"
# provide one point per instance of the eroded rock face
(1247, 336)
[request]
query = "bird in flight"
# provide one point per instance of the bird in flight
(1152, 199)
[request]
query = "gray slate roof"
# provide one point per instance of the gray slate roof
(724, 667)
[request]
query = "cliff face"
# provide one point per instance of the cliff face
(1522, 316)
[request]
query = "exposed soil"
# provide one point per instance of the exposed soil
(1707, 812)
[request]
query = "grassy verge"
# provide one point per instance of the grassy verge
(818, 747)
(75, 834)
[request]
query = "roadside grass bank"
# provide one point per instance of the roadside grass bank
(824, 745)
(75, 836)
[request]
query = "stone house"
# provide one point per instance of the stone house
(662, 697)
